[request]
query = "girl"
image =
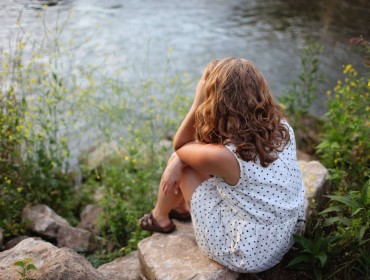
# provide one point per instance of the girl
(235, 168)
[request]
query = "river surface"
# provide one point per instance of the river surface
(190, 33)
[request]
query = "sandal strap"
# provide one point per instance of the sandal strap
(148, 222)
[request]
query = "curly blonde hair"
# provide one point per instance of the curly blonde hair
(240, 109)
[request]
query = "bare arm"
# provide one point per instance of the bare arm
(186, 131)
(211, 159)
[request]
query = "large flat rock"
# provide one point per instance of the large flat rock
(124, 268)
(177, 256)
(51, 262)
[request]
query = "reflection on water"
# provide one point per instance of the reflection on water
(272, 33)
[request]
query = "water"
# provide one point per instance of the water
(146, 33)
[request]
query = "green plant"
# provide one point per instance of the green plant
(345, 149)
(362, 264)
(36, 113)
(299, 97)
(25, 266)
(347, 217)
(354, 228)
(313, 253)
(301, 94)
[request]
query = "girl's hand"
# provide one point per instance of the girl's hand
(170, 181)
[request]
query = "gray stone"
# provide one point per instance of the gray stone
(95, 156)
(66, 264)
(51, 262)
(14, 241)
(37, 250)
(43, 220)
(90, 218)
(125, 268)
(315, 179)
(77, 239)
(177, 256)
(303, 156)
(1, 239)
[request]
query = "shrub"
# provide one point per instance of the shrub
(345, 148)
(299, 97)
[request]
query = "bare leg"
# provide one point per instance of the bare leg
(165, 203)
(190, 180)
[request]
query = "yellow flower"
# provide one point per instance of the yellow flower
(282, 106)
(19, 128)
(348, 69)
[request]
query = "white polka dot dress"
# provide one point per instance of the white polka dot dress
(249, 227)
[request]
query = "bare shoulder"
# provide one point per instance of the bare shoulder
(213, 159)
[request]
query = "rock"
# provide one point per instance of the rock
(177, 256)
(94, 157)
(99, 193)
(38, 250)
(315, 177)
(14, 241)
(51, 262)
(303, 156)
(90, 218)
(66, 264)
(43, 220)
(77, 239)
(1, 238)
(125, 268)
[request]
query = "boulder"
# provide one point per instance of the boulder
(51, 262)
(43, 220)
(78, 239)
(1, 239)
(303, 156)
(66, 264)
(315, 179)
(177, 256)
(124, 268)
(14, 241)
(95, 156)
(90, 218)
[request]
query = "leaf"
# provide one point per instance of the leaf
(305, 243)
(364, 241)
(345, 200)
(299, 260)
(24, 103)
(365, 194)
(361, 232)
(355, 211)
(19, 263)
(322, 257)
(317, 246)
(334, 220)
(31, 267)
(330, 209)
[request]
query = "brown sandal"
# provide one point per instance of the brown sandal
(149, 223)
(174, 214)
